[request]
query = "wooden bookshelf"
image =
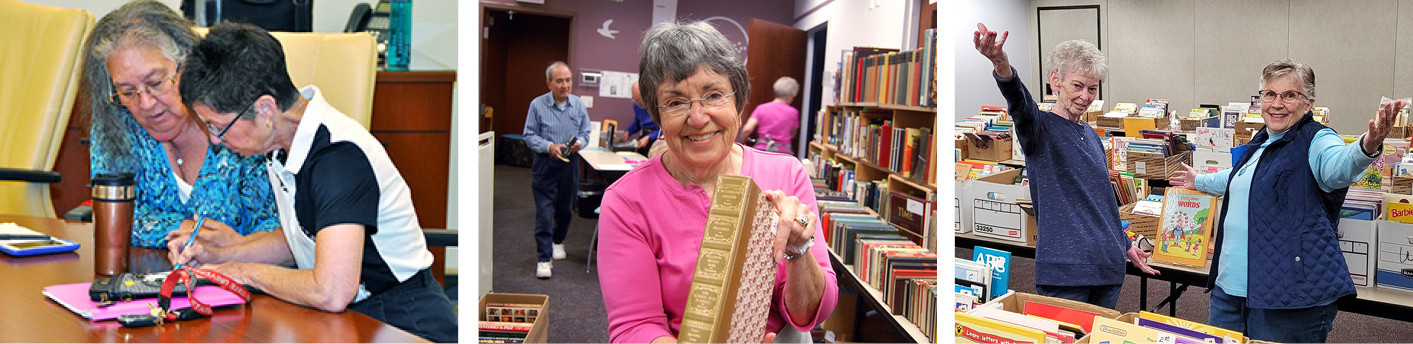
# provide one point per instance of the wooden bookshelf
(864, 171)
(906, 329)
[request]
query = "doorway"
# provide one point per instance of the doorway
(818, 37)
(516, 47)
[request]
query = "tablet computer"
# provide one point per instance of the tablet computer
(36, 247)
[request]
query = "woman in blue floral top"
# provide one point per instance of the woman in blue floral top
(133, 65)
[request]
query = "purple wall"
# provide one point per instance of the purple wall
(589, 50)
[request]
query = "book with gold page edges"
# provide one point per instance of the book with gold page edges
(731, 288)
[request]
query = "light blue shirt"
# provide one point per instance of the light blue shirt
(547, 123)
(1335, 166)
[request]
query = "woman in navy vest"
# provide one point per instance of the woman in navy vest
(1278, 269)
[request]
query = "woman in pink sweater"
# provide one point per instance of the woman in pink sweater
(695, 85)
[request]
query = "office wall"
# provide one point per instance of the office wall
(854, 23)
(1211, 51)
(631, 18)
(975, 85)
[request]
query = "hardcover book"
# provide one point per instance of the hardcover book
(732, 285)
(1186, 227)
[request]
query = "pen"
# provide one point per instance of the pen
(191, 240)
(23, 237)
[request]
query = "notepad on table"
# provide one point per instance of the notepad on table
(75, 298)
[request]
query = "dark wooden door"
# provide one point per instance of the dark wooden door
(775, 50)
(515, 50)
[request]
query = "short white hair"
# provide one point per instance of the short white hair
(1077, 55)
(786, 87)
(549, 71)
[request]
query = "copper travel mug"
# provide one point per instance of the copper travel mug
(113, 196)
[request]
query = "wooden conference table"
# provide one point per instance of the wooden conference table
(26, 315)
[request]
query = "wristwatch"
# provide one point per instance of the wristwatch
(792, 252)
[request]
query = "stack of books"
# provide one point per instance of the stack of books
(503, 331)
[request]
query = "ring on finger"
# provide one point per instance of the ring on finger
(804, 220)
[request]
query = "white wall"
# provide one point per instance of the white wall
(975, 86)
(854, 23)
(1212, 51)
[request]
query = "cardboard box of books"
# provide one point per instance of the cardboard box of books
(1036, 314)
(989, 150)
(1358, 239)
(506, 317)
(1395, 243)
(989, 206)
(1145, 327)
(1208, 160)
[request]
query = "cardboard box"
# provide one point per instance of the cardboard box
(1015, 302)
(1029, 211)
(989, 206)
(1248, 128)
(1207, 160)
(841, 322)
(996, 150)
(539, 330)
(964, 148)
(1358, 239)
(1395, 243)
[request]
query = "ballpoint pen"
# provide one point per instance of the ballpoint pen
(191, 240)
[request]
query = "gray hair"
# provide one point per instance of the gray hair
(137, 23)
(673, 52)
(1077, 55)
(1302, 73)
(786, 87)
(549, 71)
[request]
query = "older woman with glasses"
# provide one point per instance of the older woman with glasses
(695, 85)
(1278, 268)
(133, 65)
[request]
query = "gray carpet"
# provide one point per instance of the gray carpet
(576, 313)
(1193, 305)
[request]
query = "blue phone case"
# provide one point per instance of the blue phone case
(69, 246)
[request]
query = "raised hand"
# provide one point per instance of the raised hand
(1184, 178)
(988, 45)
(1379, 126)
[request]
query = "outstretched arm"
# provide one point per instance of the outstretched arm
(990, 46)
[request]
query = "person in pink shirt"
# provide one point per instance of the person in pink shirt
(653, 218)
(777, 121)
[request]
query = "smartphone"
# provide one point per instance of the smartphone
(564, 151)
(30, 248)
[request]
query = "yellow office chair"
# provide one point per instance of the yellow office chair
(343, 65)
(40, 56)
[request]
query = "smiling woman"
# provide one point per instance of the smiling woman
(132, 69)
(691, 80)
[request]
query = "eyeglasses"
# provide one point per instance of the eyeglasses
(126, 96)
(221, 134)
(680, 105)
(1290, 97)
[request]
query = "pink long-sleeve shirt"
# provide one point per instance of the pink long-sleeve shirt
(651, 231)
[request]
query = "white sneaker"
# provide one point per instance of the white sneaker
(558, 251)
(543, 269)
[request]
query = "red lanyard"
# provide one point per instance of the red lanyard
(186, 276)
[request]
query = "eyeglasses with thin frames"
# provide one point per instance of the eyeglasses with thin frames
(680, 105)
(127, 96)
(1289, 97)
(221, 134)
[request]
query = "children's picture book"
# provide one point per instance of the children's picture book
(1228, 336)
(1117, 332)
(1186, 227)
(1000, 263)
(974, 329)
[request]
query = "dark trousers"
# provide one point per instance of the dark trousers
(1300, 325)
(1106, 296)
(555, 184)
(417, 305)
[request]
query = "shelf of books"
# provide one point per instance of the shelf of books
(875, 181)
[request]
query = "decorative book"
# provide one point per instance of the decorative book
(735, 274)
(1186, 228)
